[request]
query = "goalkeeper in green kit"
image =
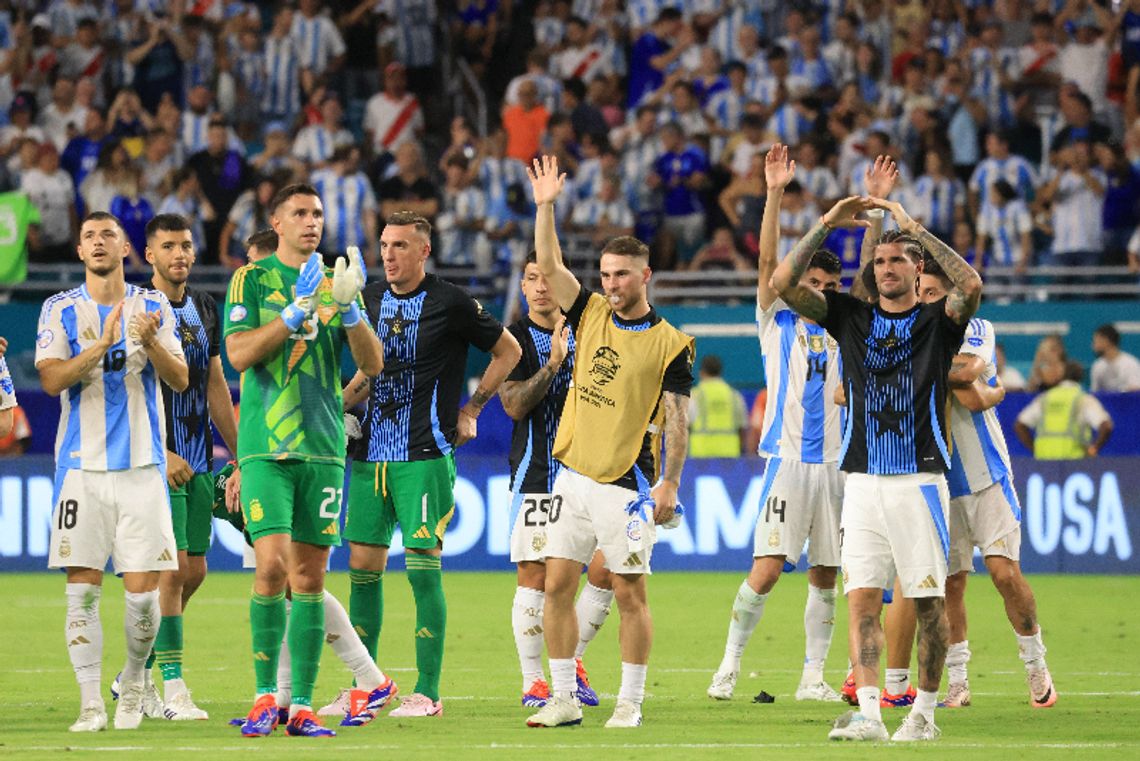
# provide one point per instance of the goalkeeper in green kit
(286, 323)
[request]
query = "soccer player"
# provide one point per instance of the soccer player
(533, 396)
(896, 358)
(7, 393)
(403, 469)
(190, 444)
(286, 326)
(984, 509)
(803, 487)
(103, 348)
(631, 381)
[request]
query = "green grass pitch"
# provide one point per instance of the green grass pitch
(1091, 626)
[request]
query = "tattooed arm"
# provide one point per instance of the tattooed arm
(357, 390)
(505, 355)
(807, 301)
(520, 397)
(966, 295)
(676, 448)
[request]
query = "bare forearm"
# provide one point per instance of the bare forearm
(867, 256)
(965, 369)
(769, 244)
(221, 406)
(366, 350)
(964, 299)
(1024, 435)
(676, 436)
(806, 301)
(1102, 435)
(249, 347)
(357, 390)
(58, 374)
(171, 369)
(520, 397)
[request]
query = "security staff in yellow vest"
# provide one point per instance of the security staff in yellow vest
(1059, 423)
(717, 420)
(632, 376)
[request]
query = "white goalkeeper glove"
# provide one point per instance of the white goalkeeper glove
(348, 281)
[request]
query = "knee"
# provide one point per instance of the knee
(956, 586)
(271, 576)
(822, 576)
(1004, 576)
(764, 575)
(630, 597)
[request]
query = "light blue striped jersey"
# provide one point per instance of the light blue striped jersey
(801, 371)
(113, 418)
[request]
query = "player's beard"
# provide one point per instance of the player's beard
(895, 290)
(104, 266)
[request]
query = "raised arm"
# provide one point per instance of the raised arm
(879, 178)
(966, 295)
(805, 300)
(547, 183)
(521, 396)
(778, 172)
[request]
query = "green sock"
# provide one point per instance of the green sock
(426, 578)
(267, 624)
(168, 647)
(150, 660)
(366, 607)
(306, 636)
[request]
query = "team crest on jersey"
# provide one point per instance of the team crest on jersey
(133, 331)
(815, 343)
(256, 512)
(538, 541)
(44, 338)
(238, 313)
(604, 365)
(65, 548)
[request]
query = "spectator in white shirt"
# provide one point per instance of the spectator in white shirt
(316, 143)
(1009, 376)
(1077, 193)
(1113, 370)
(64, 117)
(53, 193)
(319, 43)
(393, 116)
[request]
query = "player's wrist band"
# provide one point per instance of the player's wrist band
(293, 316)
(349, 315)
(876, 213)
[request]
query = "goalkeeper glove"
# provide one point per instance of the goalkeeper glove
(308, 281)
(348, 281)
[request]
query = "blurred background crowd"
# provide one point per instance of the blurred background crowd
(1014, 122)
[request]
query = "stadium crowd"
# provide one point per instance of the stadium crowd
(1013, 122)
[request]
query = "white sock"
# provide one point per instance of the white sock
(285, 666)
(897, 682)
(141, 625)
(563, 678)
(924, 703)
(526, 620)
(592, 607)
(819, 622)
(633, 682)
(1032, 650)
(84, 635)
(957, 660)
(869, 703)
(346, 644)
(747, 610)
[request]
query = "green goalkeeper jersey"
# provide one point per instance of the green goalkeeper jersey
(291, 399)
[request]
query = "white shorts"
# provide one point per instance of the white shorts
(248, 557)
(988, 520)
(896, 525)
(123, 515)
(800, 501)
(528, 530)
(586, 515)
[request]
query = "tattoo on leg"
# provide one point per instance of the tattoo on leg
(932, 641)
(869, 645)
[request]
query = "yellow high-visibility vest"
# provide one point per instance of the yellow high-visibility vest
(715, 431)
(1061, 435)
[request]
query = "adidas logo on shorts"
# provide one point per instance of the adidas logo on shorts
(928, 583)
(165, 556)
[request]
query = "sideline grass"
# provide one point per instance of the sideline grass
(1090, 623)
